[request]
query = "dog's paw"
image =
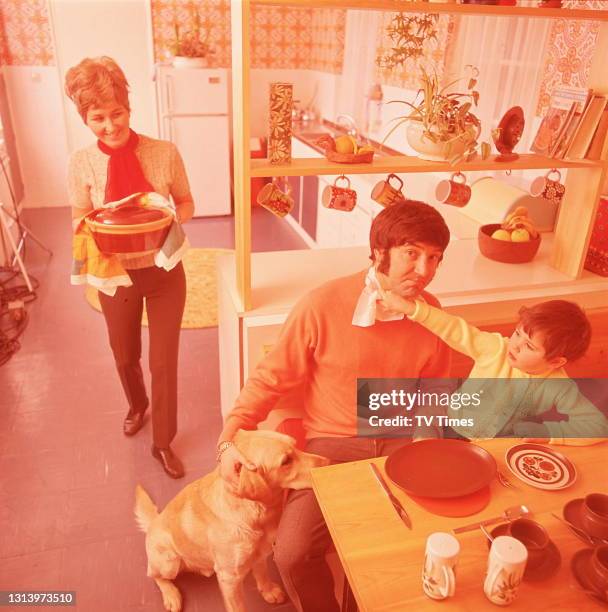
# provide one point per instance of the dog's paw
(172, 600)
(273, 593)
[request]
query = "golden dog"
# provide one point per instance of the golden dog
(212, 526)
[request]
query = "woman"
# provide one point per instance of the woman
(120, 163)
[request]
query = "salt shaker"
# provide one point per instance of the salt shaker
(506, 565)
(440, 558)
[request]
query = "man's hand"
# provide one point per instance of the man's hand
(532, 432)
(231, 463)
(396, 303)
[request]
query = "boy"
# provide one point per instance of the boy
(547, 336)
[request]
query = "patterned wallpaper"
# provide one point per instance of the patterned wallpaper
(25, 33)
(569, 52)
(281, 37)
(407, 76)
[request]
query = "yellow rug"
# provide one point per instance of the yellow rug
(201, 299)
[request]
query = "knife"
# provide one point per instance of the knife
(403, 515)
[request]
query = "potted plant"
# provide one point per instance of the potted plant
(440, 125)
(191, 49)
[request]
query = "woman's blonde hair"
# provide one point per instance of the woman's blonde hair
(95, 81)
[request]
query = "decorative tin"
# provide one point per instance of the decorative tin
(279, 140)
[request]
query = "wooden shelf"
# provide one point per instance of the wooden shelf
(406, 163)
(437, 7)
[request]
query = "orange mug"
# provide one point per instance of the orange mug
(454, 191)
(339, 198)
(278, 201)
(387, 195)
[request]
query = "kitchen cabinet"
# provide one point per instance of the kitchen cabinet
(485, 292)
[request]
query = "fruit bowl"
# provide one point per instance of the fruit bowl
(350, 158)
(503, 250)
(129, 228)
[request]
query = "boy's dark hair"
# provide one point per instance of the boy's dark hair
(408, 221)
(564, 324)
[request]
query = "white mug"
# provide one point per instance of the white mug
(506, 565)
(440, 558)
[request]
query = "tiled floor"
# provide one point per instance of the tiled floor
(67, 474)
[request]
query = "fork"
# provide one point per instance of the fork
(504, 481)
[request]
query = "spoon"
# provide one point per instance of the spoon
(510, 514)
(580, 532)
(486, 533)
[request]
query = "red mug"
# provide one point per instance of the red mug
(454, 191)
(274, 199)
(339, 198)
(547, 187)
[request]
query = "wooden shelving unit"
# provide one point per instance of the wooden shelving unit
(409, 164)
(583, 184)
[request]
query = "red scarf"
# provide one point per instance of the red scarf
(125, 175)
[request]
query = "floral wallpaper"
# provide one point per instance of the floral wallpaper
(25, 33)
(281, 37)
(569, 52)
(434, 54)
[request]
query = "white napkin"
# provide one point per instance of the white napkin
(368, 310)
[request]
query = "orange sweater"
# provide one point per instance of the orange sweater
(321, 350)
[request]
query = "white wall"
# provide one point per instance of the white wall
(36, 108)
(120, 29)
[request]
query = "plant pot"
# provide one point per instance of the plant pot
(429, 150)
(181, 61)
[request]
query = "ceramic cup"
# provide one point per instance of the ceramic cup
(533, 536)
(440, 558)
(594, 515)
(278, 201)
(506, 565)
(599, 567)
(339, 198)
(548, 186)
(454, 191)
(387, 195)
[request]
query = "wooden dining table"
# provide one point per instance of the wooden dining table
(383, 559)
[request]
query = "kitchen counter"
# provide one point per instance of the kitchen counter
(466, 283)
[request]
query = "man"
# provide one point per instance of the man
(337, 333)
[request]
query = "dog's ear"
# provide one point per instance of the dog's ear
(252, 485)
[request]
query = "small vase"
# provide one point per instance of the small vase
(181, 61)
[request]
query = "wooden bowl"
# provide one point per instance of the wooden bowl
(504, 251)
(350, 158)
(129, 229)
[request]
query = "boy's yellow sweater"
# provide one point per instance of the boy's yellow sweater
(511, 402)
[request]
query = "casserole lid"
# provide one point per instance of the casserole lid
(128, 214)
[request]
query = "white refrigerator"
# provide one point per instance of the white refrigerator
(193, 113)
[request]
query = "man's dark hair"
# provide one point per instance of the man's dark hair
(407, 222)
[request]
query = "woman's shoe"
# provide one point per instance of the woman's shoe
(171, 464)
(133, 422)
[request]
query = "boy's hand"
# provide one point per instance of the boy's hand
(532, 432)
(395, 302)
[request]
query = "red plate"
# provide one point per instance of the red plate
(441, 468)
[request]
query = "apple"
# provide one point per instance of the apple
(520, 235)
(501, 234)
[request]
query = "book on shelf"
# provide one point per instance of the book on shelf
(581, 141)
(565, 110)
(599, 138)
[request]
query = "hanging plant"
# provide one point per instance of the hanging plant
(408, 33)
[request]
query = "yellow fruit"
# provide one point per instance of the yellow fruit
(501, 234)
(520, 235)
(355, 145)
(345, 144)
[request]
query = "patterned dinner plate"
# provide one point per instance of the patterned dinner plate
(541, 467)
